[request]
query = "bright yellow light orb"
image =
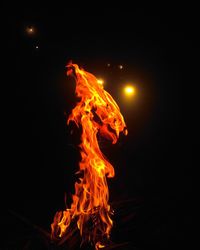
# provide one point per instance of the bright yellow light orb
(129, 90)
(100, 81)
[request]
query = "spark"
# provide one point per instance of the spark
(30, 30)
(100, 81)
(129, 90)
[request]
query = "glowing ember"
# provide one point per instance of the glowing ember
(96, 113)
(100, 81)
(30, 30)
(129, 90)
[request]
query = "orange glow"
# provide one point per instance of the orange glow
(129, 90)
(100, 81)
(95, 113)
(30, 30)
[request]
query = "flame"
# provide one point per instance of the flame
(96, 112)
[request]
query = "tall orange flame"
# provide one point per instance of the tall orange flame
(96, 112)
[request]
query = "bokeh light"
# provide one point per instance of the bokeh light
(129, 90)
(100, 81)
(30, 30)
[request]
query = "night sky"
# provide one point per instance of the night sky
(157, 48)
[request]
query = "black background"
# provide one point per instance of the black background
(158, 48)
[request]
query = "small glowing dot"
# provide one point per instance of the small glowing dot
(100, 81)
(30, 30)
(129, 90)
(37, 47)
(108, 64)
(121, 67)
